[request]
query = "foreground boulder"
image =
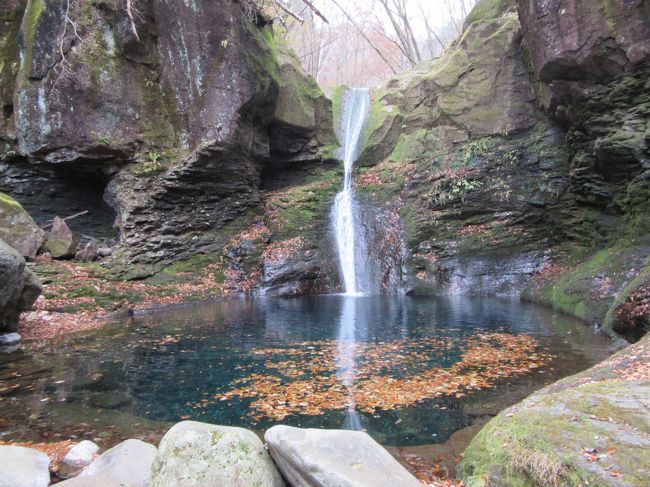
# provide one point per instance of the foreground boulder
(193, 453)
(23, 467)
(19, 287)
(589, 429)
(128, 463)
(18, 229)
(334, 458)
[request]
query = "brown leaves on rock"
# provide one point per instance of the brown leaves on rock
(636, 308)
(311, 378)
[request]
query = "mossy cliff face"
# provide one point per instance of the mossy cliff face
(513, 174)
(477, 168)
(11, 14)
(173, 128)
(592, 70)
(588, 429)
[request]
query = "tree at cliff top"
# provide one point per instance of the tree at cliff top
(366, 42)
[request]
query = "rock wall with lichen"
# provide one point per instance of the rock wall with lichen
(519, 158)
(162, 129)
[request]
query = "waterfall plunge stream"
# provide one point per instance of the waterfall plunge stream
(351, 248)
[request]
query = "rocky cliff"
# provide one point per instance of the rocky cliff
(162, 128)
(519, 157)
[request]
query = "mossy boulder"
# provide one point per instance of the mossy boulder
(589, 429)
(194, 453)
(18, 229)
(19, 288)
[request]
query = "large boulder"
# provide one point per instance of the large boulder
(61, 242)
(589, 429)
(193, 453)
(18, 229)
(23, 467)
(19, 287)
(129, 463)
(334, 458)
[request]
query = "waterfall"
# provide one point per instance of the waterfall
(350, 245)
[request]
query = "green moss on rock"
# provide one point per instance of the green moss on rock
(584, 430)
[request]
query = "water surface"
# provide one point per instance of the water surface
(182, 363)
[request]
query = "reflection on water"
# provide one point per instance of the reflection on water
(179, 364)
(347, 360)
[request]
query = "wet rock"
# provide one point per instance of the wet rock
(193, 453)
(61, 242)
(19, 288)
(334, 458)
(129, 463)
(18, 229)
(23, 467)
(80, 456)
(87, 252)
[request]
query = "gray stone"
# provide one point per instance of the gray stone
(8, 339)
(23, 467)
(87, 252)
(334, 458)
(61, 242)
(19, 287)
(94, 481)
(79, 456)
(105, 251)
(18, 229)
(129, 462)
(193, 453)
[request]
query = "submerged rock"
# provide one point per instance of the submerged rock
(18, 229)
(19, 288)
(193, 453)
(129, 462)
(589, 429)
(23, 467)
(334, 458)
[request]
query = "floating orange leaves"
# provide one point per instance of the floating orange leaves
(311, 378)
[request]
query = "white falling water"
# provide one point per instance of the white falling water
(349, 238)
